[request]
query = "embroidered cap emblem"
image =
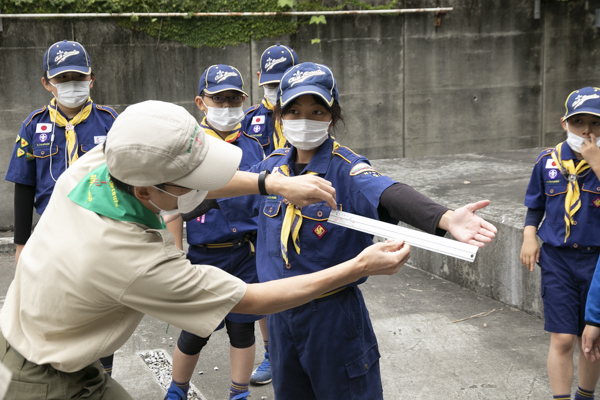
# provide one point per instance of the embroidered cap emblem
(319, 230)
(579, 100)
(222, 75)
(273, 62)
(300, 76)
(63, 55)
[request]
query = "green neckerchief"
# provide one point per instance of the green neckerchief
(97, 193)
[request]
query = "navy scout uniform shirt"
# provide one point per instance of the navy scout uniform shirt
(213, 227)
(258, 123)
(30, 160)
(358, 189)
(546, 191)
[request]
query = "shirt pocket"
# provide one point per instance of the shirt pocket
(590, 193)
(44, 152)
(87, 147)
(553, 190)
(317, 236)
(272, 210)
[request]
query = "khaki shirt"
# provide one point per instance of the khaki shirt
(84, 281)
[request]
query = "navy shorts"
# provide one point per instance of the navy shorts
(566, 277)
(239, 262)
(325, 349)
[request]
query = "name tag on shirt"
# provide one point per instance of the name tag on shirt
(43, 128)
(99, 139)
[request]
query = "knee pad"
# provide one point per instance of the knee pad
(190, 344)
(241, 334)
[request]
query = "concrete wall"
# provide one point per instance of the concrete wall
(490, 78)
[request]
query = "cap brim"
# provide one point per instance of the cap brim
(216, 170)
(68, 68)
(291, 94)
(269, 78)
(592, 111)
(222, 88)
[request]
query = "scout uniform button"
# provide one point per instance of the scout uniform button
(288, 266)
(551, 190)
(234, 230)
(574, 222)
(575, 245)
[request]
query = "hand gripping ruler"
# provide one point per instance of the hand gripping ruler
(414, 238)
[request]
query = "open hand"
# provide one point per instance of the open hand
(467, 227)
(590, 343)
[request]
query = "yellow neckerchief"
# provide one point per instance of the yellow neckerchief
(292, 221)
(279, 140)
(572, 200)
(69, 126)
(232, 137)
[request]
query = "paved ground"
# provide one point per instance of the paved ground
(437, 339)
(425, 353)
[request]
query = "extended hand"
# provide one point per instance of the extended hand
(467, 227)
(302, 190)
(590, 343)
(384, 258)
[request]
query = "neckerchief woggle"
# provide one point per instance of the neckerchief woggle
(572, 198)
(279, 140)
(97, 193)
(69, 125)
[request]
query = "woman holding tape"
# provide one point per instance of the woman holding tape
(327, 349)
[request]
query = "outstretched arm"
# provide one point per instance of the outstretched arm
(275, 296)
(301, 190)
(467, 227)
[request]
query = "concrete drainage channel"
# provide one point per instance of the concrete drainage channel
(161, 364)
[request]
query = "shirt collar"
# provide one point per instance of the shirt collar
(320, 161)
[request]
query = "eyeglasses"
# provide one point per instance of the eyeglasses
(237, 99)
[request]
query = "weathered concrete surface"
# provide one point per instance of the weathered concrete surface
(489, 78)
(424, 355)
(454, 181)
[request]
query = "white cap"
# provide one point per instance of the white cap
(154, 142)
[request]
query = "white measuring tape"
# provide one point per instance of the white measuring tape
(415, 238)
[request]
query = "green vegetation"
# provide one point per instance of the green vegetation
(195, 31)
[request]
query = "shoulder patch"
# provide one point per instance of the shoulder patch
(252, 108)
(362, 168)
(20, 153)
(18, 138)
(109, 110)
(33, 114)
(24, 143)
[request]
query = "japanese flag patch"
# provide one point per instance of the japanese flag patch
(258, 120)
(43, 128)
(550, 164)
(362, 168)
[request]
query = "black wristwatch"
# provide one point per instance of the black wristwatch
(261, 182)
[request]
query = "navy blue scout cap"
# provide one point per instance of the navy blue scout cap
(583, 101)
(274, 61)
(66, 56)
(219, 78)
(308, 78)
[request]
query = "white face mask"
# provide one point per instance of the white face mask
(305, 134)
(185, 203)
(224, 119)
(72, 94)
(271, 94)
(575, 141)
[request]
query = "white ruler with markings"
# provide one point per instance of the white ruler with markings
(414, 238)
